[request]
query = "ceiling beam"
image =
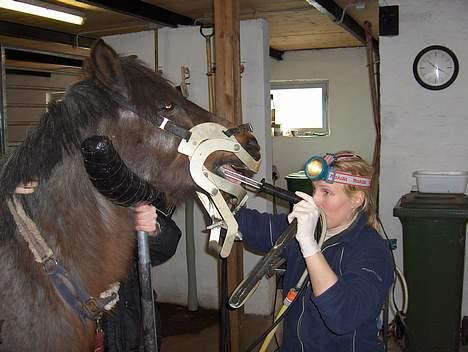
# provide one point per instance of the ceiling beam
(43, 58)
(330, 8)
(16, 30)
(12, 71)
(276, 54)
(144, 11)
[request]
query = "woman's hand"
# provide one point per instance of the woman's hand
(145, 219)
(307, 214)
(26, 188)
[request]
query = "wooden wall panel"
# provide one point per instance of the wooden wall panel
(26, 100)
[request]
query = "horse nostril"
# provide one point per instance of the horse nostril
(253, 148)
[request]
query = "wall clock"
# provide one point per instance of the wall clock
(435, 67)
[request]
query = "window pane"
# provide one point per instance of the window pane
(298, 108)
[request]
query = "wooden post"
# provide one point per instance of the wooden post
(228, 105)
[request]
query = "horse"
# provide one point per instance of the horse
(92, 238)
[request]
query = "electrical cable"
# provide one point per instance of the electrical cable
(275, 300)
(400, 329)
(398, 274)
(275, 324)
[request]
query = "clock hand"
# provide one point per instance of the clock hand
(430, 63)
(439, 69)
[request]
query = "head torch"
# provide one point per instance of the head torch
(322, 169)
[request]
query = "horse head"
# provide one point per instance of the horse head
(145, 103)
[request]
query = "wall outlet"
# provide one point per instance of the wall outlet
(392, 243)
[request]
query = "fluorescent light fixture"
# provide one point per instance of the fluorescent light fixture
(38, 8)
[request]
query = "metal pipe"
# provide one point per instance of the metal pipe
(262, 186)
(146, 293)
(3, 110)
(192, 295)
(209, 67)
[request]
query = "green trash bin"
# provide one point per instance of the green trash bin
(298, 181)
(434, 228)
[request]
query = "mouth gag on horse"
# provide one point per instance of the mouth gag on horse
(198, 144)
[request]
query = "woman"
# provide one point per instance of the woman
(349, 274)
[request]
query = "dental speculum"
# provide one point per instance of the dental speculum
(205, 139)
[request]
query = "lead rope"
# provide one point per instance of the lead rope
(29, 231)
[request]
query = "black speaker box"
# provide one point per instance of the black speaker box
(388, 20)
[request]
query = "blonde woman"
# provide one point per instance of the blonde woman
(349, 273)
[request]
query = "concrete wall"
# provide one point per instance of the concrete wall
(349, 106)
(421, 129)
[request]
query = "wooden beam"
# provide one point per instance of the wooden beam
(227, 58)
(44, 58)
(16, 30)
(228, 105)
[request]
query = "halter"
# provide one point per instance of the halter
(198, 144)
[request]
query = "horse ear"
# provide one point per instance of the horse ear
(104, 65)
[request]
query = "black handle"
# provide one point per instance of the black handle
(264, 267)
(289, 196)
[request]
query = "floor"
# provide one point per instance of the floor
(183, 330)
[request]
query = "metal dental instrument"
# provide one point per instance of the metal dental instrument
(272, 260)
(262, 186)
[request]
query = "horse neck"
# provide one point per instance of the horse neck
(81, 226)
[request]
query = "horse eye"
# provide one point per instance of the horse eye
(169, 107)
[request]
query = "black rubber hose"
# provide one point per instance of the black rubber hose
(113, 179)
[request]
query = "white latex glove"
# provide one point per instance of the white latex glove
(307, 214)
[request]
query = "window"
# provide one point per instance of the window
(299, 108)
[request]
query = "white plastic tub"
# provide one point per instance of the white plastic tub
(441, 181)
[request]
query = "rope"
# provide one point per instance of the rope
(29, 231)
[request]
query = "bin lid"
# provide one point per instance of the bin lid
(298, 175)
(438, 204)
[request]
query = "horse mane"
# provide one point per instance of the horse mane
(64, 125)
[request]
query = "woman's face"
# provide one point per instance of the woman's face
(337, 205)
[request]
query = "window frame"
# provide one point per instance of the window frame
(295, 84)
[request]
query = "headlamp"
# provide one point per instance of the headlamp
(321, 169)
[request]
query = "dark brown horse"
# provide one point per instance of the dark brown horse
(92, 238)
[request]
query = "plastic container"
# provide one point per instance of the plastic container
(441, 181)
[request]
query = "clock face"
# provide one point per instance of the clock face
(435, 67)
